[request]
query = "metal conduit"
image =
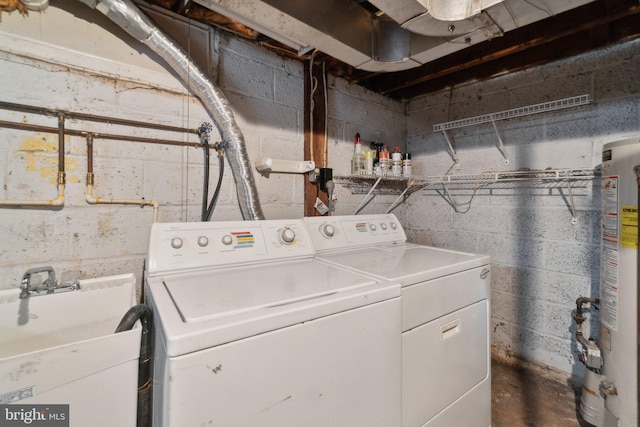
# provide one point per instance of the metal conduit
(126, 15)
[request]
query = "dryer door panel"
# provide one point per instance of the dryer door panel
(441, 361)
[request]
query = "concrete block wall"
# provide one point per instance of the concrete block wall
(72, 58)
(541, 262)
(352, 109)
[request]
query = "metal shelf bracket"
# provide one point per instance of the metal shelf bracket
(452, 150)
(501, 148)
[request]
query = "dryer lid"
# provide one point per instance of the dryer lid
(404, 262)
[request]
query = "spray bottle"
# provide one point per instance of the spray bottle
(357, 161)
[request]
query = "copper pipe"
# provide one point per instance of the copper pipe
(82, 133)
(92, 118)
(61, 148)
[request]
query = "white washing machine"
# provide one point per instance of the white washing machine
(252, 330)
(446, 361)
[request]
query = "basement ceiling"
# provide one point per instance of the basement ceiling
(407, 48)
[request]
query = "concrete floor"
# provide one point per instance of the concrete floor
(525, 396)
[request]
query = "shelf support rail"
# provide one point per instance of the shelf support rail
(501, 147)
(574, 219)
(366, 198)
(452, 150)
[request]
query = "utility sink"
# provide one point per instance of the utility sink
(62, 348)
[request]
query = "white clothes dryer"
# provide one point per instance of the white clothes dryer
(252, 330)
(446, 362)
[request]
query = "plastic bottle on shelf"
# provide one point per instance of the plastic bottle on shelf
(357, 161)
(396, 161)
(369, 155)
(376, 147)
(406, 165)
(384, 160)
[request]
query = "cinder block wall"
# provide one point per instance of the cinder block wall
(352, 109)
(541, 262)
(74, 59)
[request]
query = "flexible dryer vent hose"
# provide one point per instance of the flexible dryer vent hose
(126, 15)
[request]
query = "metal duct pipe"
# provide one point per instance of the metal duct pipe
(126, 15)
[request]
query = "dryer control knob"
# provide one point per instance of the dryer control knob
(394, 226)
(227, 240)
(287, 236)
(176, 243)
(203, 241)
(328, 231)
(372, 227)
(383, 225)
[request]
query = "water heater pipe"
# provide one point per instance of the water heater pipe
(127, 16)
(59, 201)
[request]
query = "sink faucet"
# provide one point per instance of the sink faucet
(49, 284)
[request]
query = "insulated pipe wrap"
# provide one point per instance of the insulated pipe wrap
(126, 15)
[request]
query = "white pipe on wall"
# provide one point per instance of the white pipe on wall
(55, 202)
(97, 200)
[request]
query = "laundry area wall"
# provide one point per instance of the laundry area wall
(541, 261)
(71, 58)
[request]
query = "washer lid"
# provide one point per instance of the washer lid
(405, 262)
(206, 308)
(211, 295)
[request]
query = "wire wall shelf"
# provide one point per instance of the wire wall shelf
(565, 180)
(363, 183)
(516, 112)
(503, 115)
(548, 178)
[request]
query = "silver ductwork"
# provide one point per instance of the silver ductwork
(126, 15)
(405, 34)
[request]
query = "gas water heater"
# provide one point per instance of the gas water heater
(610, 391)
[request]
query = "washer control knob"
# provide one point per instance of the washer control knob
(176, 243)
(227, 240)
(328, 231)
(203, 241)
(394, 226)
(372, 227)
(383, 225)
(287, 236)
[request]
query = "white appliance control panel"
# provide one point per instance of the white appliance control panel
(341, 232)
(196, 245)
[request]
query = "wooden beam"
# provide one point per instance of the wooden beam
(314, 131)
(615, 32)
